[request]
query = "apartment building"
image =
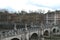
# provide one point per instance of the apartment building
(4, 17)
(52, 18)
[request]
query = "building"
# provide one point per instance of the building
(21, 18)
(28, 18)
(5, 17)
(52, 17)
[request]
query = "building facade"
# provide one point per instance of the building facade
(52, 18)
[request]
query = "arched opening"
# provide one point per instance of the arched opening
(58, 30)
(34, 37)
(46, 33)
(15, 39)
(54, 30)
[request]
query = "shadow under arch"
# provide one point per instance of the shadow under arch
(34, 36)
(14, 39)
(46, 33)
(54, 30)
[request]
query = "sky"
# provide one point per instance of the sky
(18, 5)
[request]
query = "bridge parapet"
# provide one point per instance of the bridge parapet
(9, 33)
(33, 29)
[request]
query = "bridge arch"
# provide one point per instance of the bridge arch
(34, 36)
(55, 29)
(15, 39)
(46, 32)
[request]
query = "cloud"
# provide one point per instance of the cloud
(49, 3)
(30, 4)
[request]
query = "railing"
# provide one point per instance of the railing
(10, 33)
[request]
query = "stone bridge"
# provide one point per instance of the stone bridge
(34, 33)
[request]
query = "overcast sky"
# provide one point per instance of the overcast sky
(30, 4)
